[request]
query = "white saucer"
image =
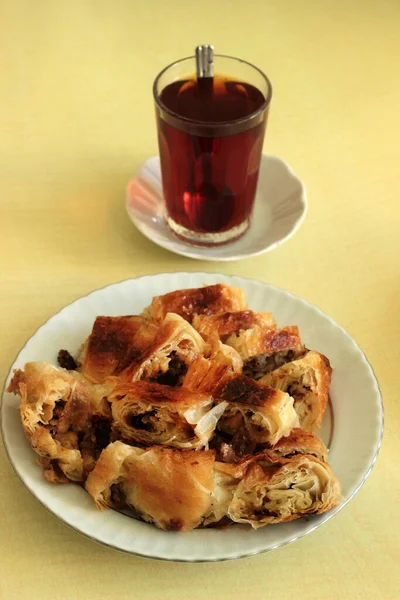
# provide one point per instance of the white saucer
(279, 210)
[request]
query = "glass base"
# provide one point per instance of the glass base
(208, 239)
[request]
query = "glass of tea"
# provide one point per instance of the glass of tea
(210, 133)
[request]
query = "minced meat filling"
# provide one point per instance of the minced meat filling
(176, 370)
(164, 425)
(232, 450)
(242, 444)
(298, 391)
(96, 438)
(261, 365)
(66, 360)
(117, 496)
(102, 432)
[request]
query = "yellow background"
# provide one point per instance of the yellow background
(77, 119)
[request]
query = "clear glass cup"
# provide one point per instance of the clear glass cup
(210, 166)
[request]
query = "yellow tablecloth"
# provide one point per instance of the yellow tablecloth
(77, 119)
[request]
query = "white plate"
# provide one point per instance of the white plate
(355, 397)
(279, 210)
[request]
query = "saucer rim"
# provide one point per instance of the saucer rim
(189, 250)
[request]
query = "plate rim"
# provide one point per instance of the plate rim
(295, 297)
(191, 249)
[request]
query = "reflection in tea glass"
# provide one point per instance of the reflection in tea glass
(210, 132)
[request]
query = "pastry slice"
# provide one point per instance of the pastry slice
(299, 441)
(224, 325)
(170, 488)
(166, 360)
(255, 411)
(278, 492)
(112, 345)
(263, 350)
(207, 374)
(151, 413)
(307, 380)
(208, 300)
(59, 412)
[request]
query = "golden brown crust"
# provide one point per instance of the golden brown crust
(208, 374)
(155, 394)
(299, 441)
(208, 300)
(175, 335)
(110, 347)
(170, 488)
(244, 390)
(255, 411)
(228, 323)
(307, 380)
(261, 341)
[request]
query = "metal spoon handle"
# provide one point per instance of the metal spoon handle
(205, 61)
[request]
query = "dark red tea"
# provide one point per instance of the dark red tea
(210, 169)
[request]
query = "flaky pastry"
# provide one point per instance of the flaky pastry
(256, 410)
(299, 441)
(151, 413)
(278, 492)
(112, 345)
(176, 341)
(307, 380)
(168, 487)
(227, 324)
(264, 350)
(208, 300)
(207, 374)
(56, 407)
